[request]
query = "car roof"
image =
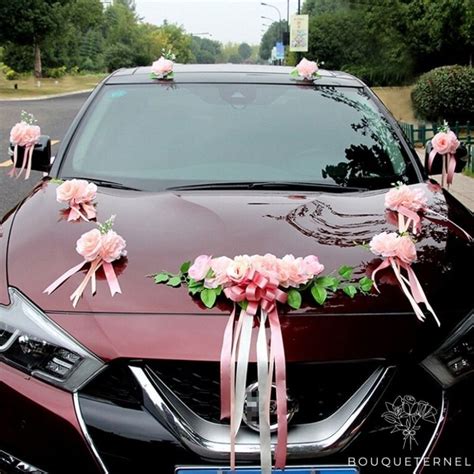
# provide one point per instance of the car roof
(232, 73)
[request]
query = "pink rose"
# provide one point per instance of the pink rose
(23, 134)
(413, 199)
(89, 245)
(406, 250)
(441, 143)
(311, 266)
(385, 244)
(162, 67)
(219, 266)
(112, 246)
(17, 132)
(453, 142)
(76, 191)
(31, 135)
(239, 268)
(200, 267)
(306, 68)
(295, 269)
(266, 265)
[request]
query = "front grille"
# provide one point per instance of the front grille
(318, 389)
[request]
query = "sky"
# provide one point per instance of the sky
(226, 20)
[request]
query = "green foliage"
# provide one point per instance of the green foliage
(11, 75)
(445, 93)
(205, 51)
(117, 56)
(55, 72)
(245, 51)
(294, 299)
(270, 37)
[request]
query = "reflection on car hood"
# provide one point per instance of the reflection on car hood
(164, 229)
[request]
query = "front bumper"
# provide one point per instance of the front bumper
(89, 433)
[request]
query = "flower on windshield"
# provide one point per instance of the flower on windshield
(306, 69)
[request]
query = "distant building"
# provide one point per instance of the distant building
(107, 3)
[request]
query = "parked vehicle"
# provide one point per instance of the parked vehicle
(230, 160)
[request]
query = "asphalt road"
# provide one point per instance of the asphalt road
(54, 117)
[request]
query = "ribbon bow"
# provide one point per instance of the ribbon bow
(449, 166)
(261, 293)
(410, 286)
(26, 163)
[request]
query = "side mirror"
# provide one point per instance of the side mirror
(437, 166)
(41, 160)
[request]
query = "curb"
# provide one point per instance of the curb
(43, 97)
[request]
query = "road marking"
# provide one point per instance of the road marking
(55, 142)
(6, 164)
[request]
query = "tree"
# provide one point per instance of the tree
(42, 20)
(270, 37)
(245, 51)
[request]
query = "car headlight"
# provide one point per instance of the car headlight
(454, 360)
(32, 342)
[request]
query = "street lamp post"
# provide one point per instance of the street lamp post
(280, 34)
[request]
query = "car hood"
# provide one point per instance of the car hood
(162, 230)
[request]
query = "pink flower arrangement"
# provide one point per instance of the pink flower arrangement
(445, 143)
(78, 194)
(99, 248)
(406, 197)
(305, 69)
(24, 134)
(223, 271)
(393, 245)
(163, 67)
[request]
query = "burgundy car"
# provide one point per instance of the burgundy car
(229, 160)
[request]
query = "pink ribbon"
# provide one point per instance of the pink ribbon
(411, 287)
(412, 218)
(88, 211)
(26, 163)
(110, 276)
(260, 292)
(449, 166)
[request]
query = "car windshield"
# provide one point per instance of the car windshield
(158, 136)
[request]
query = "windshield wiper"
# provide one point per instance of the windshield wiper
(106, 184)
(276, 185)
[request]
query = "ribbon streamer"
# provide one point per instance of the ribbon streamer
(26, 163)
(262, 294)
(449, 167)
(411, 287)
(110, 276)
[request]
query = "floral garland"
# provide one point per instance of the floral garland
(258, 284)
(445, 143)
(163, 67)
(25, 134)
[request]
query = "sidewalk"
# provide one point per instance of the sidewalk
(462, 187)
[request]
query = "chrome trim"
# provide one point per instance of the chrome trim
(17, 466)
(211, 440)
(443, 413)
(86, 434)
(289, 469)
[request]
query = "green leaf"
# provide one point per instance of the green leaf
(161, 277)
(243, 304)
(174, 281)
(294, 299)
(218, 290)
(294, 73)
(195, 286)
(365, 284)
(185, 267)
(346, 272)
(350, 290)
(319, 293)
(208, 297)
(56, 181)
(328, 282)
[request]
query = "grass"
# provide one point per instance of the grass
(398, 101)
(28, 87)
